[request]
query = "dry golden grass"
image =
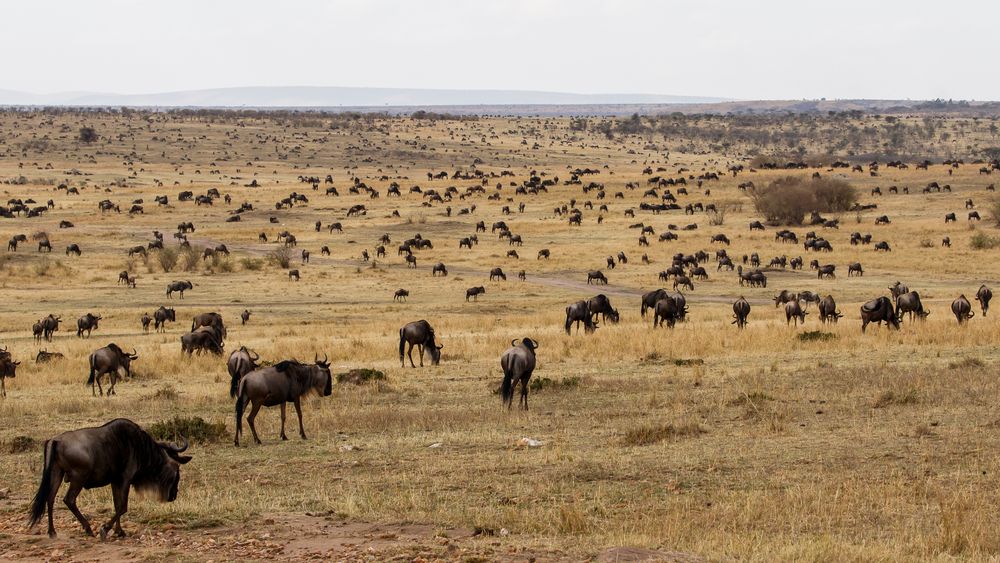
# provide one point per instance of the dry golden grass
(753, 444)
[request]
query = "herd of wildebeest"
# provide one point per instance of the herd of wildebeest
(122, 455)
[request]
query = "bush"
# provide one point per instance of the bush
(21, 444)
(983, 241)
(167, 258)
(195, 429)
(360, 376)
(994, 211)
(539, 383)
(816, 336)
(252, 264)
(281, 257)
(190, 260)
(646, 435)
(788, 200)
(88, 135)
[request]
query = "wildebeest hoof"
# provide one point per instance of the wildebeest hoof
(104, 533)
(120, 533)
(283, 437)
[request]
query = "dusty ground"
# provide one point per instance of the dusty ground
(703, 440)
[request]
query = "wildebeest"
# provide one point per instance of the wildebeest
(439, 268)
(497, 274)
(854, 269)
(146, 320)
(38, 330)
(240, 363)
(577, 313)
(109, 360)
(795, 311)
(596, 276)
(202, 339)
(949, 217)
(543, 253)
(120, 454)
(50, 324)
(44, 356)
(209, 319)
(284, 382)
(518, 362)
(245, 316)
(419, 334)
(8, 368)
(741, 312)
(666, 309)
(910, 303)
(827, 270)
(962, 309)
(879, 310)
(683, 281)
(828, 310)
(983, 296)
(883, 246)
(898, 289)
(161, 316)
(87, 323)
(601, 305)
(400, 295)
(649, 300)
(474, 293)
(178, 286)
(73, 249)
(293, 275)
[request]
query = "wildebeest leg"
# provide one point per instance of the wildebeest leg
(55, 477)
(97, 379)
(70, 501)
(283, 437)
(524, 392)
(298, 411)
(116, 497)
(421, 348)
(250, 417)
(113, 376)
(409, 354)
(3, 388)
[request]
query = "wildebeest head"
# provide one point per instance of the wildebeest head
(169, 479)
(526, 342)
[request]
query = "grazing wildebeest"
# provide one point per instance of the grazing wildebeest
(962, 309)
(910, 303)
(209, 319)
(178, 286)
(44, 356)
(577, 313)
(73, 249)
(419, 334)
(794, 310)
(120, 454)
(44, 244)
(439, 267)
(827, 270)
(305, 256)
(202, 339)
(240, 363)
(245, 316)
(600, 304)
(649, 300)
(50, 324)
(983, 296)
(109, 360)
(741, 311)
(854, 269)
(146, 320)
(474, 293)
(974, 216)
(828, 310)
(277, 385)
(596, 276)
(293, 275)
(123, 277)
(400, 295)
(949, 217)
(518, 362)
(683, 281)
(87, 323)
(161, 316)
(497, 274)
(665, 310)
(784, 297)
(543, 253)
(883, 246)
(877, 311)
(720, 238)
(898, 289)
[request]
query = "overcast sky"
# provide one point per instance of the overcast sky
(745, 49)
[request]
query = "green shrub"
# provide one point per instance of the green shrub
(360, 376)
(195, 429)
(788, 200)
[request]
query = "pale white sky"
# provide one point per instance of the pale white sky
(743, 49)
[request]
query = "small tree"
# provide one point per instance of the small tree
(88, 135)
(788, 200)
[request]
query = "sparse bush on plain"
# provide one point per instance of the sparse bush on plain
(195, 429)
(646, 435)
(788, 200)
(167, 258)
(983, 241)
(281, 257)
(88, 135)
(252, 264)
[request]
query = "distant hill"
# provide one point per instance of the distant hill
(333, 97)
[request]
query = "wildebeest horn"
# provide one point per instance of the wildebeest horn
(513, 342)
(134, 354)
(441, 346)
(256, 356)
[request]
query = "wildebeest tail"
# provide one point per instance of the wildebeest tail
(45, 487)
(93, 371)
(402, 344)
(240, 405)
(507, 387)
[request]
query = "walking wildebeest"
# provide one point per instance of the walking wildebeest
(962, 309)
(284, 382)
(828, 310)
(161, 316)
(419, 334)
(910, 303)
(741, 311)
(178, 286)
(600, 304)
(596, 276)
(109, 360)
(120, 454)
(794, 310)
(577, 313)
(146, 320)
(877, 311)
(474, 293)
(50, 324)
(983, 296)
(245, 316)
(827, 270)
(240, 363)
(87, 323)
(400, 295)
(518, 362)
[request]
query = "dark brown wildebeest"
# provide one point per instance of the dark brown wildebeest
(883, 246)
(305, 256)
(87, 323)
(522, 275)
(596, 276)
(898, 289)
(44, 245)
(474, 293)
(518, 363)
(44, 357)
(910, 303)
(178, 286)
(73, 249)
(950, 217)
(123, 277)
(720, 238)
(240, 363)
(411, 261)
(109, 360)
(578, 313)
(649, 300)
(245, 316)
(827, 270)
(146, 320)
(854, 269)
(962, 309)
(120, 454)
(877, 311)
(683, 281)
(741, 311)
(209, 319)
(794, 310)
(974, 216)
(400, 295)
(293, 275)
(665, 310)
(202, 339)
(161, 316)
(497, 274)
(601, 305)
(828, 310)
(784, 297)
(37, 330)
(50, 324)
(946, 242)
(324, 251)
(439, 268)
(983, 296)
(543, 253)
(419, 334)
(8, 368)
